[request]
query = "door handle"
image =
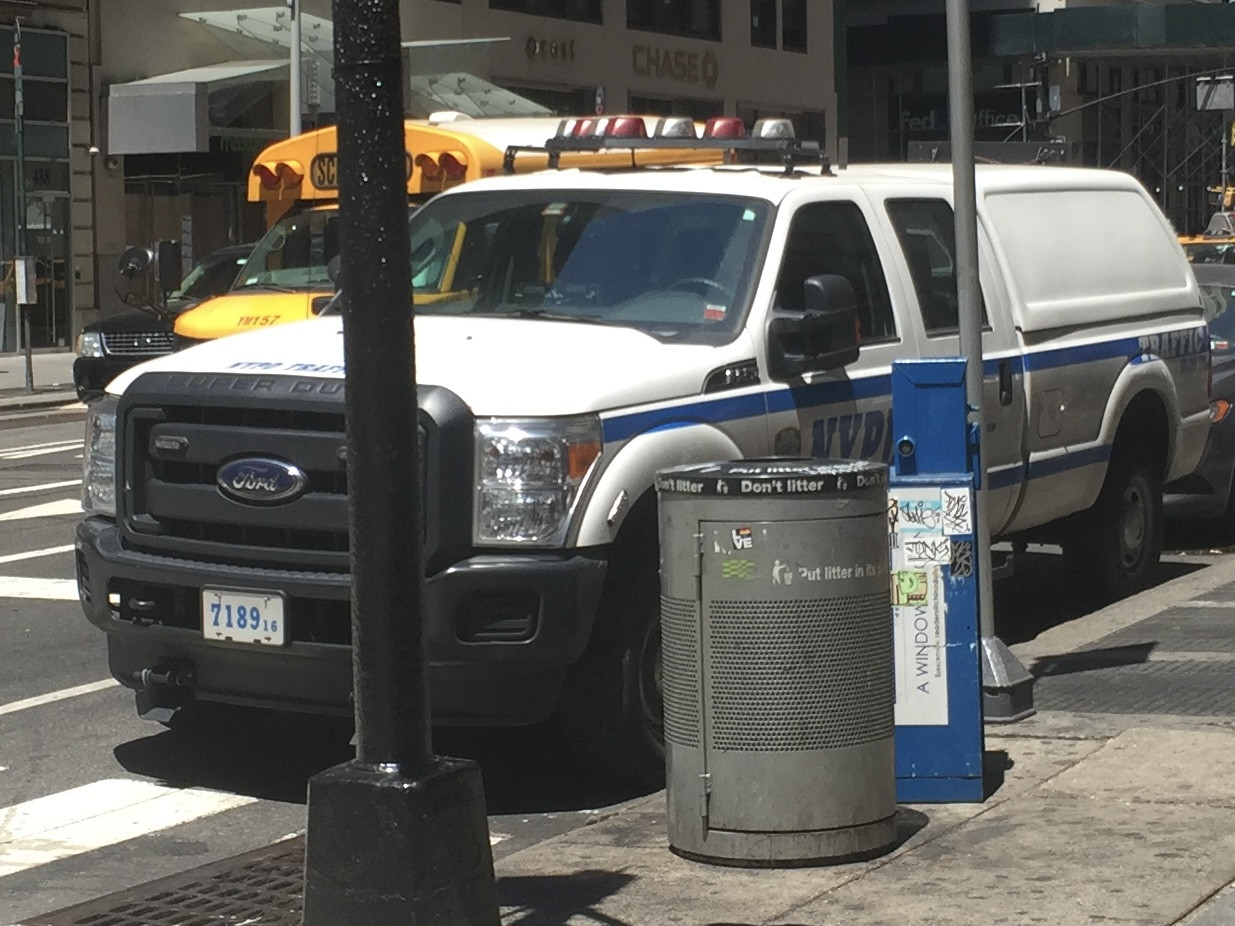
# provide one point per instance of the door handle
(1005, 382)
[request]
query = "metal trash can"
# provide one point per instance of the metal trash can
(776, 623)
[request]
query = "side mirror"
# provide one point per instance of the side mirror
(135, 261)
(170, 269)
(334, 270)
(823, 337)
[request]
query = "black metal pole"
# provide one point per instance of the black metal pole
(382, 460)
(397, 835)
(19, 116)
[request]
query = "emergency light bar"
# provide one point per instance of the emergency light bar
(769, 140)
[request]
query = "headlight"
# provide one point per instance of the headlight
(90, 344)
(529, 474)
(98, 484)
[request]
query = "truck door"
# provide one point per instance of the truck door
(924, 230)
(838, 414)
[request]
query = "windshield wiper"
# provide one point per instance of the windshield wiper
(546, 315)
(276, 287)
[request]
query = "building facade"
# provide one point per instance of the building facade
(46, 194)
(190, 90)
(1116, 85)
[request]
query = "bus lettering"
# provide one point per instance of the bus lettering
(325, 171)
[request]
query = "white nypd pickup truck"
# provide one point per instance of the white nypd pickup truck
(577, 331)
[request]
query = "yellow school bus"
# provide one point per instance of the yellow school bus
(297, 179)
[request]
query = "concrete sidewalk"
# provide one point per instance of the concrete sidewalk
(1113, 818)
(50, 381)
(1120, 815)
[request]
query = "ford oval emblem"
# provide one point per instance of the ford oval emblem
(260, 480)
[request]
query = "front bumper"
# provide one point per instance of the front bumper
(1206, 492)
(499, 630)
(92, 374)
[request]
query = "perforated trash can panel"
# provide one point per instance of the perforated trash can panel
(796, 676)
(796, 656)
(679, 632)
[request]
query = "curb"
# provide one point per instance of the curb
(15, 401)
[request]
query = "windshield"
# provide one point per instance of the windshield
(1218, 301)
(675, 265)
(212, 276)
(294, 253)
(1210, 252)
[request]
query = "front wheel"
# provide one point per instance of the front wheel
(614, 706)
(1116, 544)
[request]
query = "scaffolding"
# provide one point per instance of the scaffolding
(1143, 117)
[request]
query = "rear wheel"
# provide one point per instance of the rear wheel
(1114, 547)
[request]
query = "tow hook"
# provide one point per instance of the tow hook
(164, 690)
(169, 676)
(140, 608)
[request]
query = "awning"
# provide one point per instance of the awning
(170, 113)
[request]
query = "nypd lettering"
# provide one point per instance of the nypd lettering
(865, 435)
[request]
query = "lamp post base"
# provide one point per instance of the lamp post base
(1007, 686)
(392, 845)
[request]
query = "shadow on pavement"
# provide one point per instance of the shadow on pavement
(555, 900)
(996, 763)
(1091, 659)
(1042, 594)
(272, 757)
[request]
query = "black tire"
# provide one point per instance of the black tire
(613, 708)
(1114, 547)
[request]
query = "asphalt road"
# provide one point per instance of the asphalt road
(93, 800)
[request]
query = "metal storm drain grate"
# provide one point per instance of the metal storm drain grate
(1177, 662)
(264, 886)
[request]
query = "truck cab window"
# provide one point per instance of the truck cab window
(833, 237)
(926, 232)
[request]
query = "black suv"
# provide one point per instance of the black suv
(106, 348)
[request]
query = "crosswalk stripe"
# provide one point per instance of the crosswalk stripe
(38, 589)
(39, 450)
(42, 487)
(97, 815)
(54, 509)
(53, 696)
(36, 554)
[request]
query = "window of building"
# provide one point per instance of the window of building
(763, 23)
(699, 110)
(568, 101)
(699, 19)
(39, 217)
(807, 124)
(587, 11)
(793, 29)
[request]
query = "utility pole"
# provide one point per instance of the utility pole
(22, 265)
(1007, 686)
(397, 835)
(295, 75)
